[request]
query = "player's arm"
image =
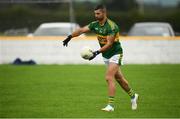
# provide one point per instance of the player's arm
(110, 41)
(80, 31)
(76, 33)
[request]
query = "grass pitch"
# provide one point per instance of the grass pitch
(81, 91)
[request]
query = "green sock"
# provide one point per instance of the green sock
(111, 100)
(131, 93)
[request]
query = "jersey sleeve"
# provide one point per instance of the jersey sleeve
(91, 26)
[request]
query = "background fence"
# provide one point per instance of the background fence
(51, 51)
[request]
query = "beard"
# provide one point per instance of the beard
(99, 18)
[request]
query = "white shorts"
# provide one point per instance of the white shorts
(117, 59)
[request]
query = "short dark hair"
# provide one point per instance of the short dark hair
(100, 6)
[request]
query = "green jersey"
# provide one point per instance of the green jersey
(109, 28)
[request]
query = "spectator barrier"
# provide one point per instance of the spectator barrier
(49, 50)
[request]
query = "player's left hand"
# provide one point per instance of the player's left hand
(95, 53)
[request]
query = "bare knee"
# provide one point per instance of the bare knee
(109, 79)
(119, 77)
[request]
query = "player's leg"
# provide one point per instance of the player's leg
(110, 73)
(122, 81)
(125, 85)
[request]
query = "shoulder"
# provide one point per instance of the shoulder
(94, 22)
(112, 24)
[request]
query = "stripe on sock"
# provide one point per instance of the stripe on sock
(111, 100)
(131, 93)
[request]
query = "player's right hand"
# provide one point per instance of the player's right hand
(65, 42)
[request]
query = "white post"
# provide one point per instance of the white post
(141, 6)
(71, 13)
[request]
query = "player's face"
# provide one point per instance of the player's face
(99, 15)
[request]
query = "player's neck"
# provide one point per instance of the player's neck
(102, 22)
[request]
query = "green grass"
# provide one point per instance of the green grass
(81, 91)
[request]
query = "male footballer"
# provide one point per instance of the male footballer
(108, 36)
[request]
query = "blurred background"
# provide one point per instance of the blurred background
(156, 20)
(24, 16)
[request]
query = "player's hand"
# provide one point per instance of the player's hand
(95, 53)
(65, 42)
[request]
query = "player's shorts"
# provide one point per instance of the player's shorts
(117, 59)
